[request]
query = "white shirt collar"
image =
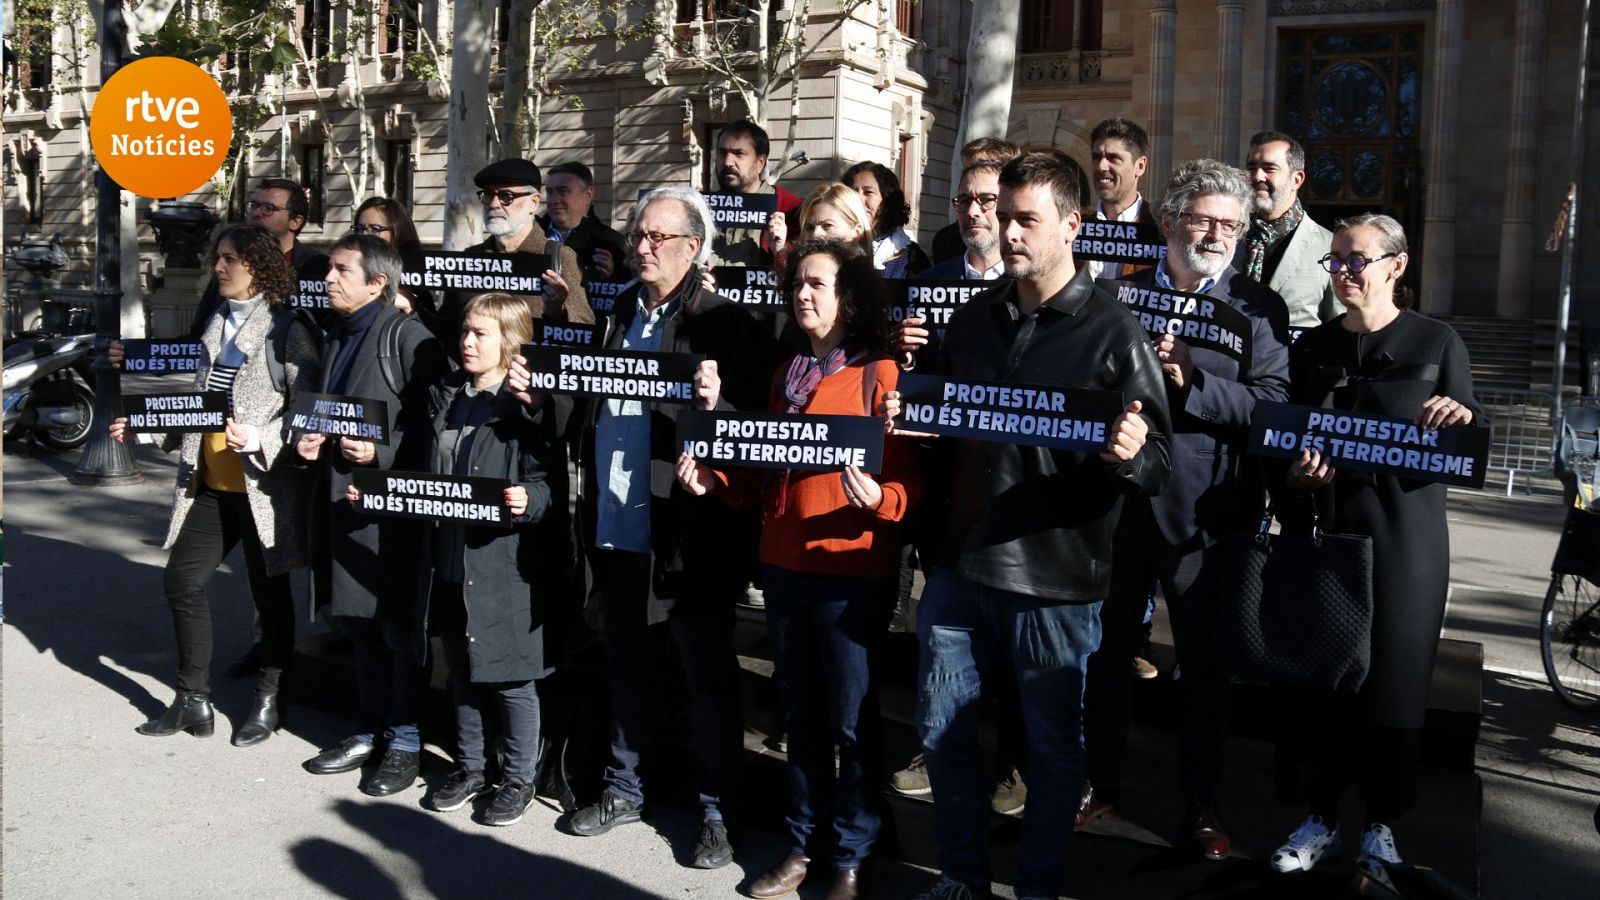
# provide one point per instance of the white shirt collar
(989, 274)
(1131, 214)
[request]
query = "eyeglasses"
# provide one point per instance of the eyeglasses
(1355, 262)
(985, 202)
(369, 229)
(506, 197)
(656, 238)
(1204, 224)
(261, 206)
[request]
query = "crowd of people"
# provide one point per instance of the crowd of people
(1041, 565)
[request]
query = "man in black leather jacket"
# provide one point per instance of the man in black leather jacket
(1025, 556)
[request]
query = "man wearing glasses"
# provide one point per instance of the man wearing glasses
(661, 559)
(1283, 245)
(1215, 488)
(509, 190)
(280, 206)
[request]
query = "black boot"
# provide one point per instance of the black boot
(190, 712)
(266, 716)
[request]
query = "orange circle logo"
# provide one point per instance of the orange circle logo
(161, 127)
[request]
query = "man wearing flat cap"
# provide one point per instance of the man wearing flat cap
(510, 193)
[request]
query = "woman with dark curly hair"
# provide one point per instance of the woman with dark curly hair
(893, 251)
(239, 485)
(388, 220)
(830, 554)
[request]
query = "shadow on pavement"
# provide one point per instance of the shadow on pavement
(59, 604)
(452, 863)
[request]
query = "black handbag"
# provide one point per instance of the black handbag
(1296, 610)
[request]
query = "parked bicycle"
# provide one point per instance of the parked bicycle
(1569, 626)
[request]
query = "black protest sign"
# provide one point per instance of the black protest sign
(933, 299)
(752, 287)
(1456, 455)
(336, 416)
(622, 374)
(185, 411)
(603, 295)
(1196, 319)
(151, 357)
(782, 440)
(1029, 414)
(741, 210)
(310, 293)
(1138, 243)
(1295, 333)
(422, 495)
(565, 334)
(507, 273)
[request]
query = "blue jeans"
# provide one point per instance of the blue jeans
(390, 685)
(825, 630)
(968, 632)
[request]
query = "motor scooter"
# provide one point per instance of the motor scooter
(49, 386)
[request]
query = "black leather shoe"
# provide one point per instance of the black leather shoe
(604, 814)
(846, 885)
(396, 772)
(191, 711)
(711, 847)
(265, 717)
(348, 755)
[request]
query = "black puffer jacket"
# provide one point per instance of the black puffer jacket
(1032, 520)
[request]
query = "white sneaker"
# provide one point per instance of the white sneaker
(1377, 847)
(1306, 846)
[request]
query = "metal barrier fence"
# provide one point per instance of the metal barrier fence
(1522, 431)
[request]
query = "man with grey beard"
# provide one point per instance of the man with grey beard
(510, 193)
(1283, 245)
(1171, 539)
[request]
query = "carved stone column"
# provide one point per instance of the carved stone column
(1522, 158)
(1439, 220)
(1163, 35)
(1230, 52)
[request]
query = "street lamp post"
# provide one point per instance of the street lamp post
(105, 462)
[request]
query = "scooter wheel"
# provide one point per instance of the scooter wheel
(70, 437)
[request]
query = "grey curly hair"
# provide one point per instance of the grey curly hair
(1199, 178)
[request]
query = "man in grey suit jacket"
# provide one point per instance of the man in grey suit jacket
(1171, 539)
(1283, 245)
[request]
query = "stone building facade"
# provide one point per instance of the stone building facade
(1453, 115)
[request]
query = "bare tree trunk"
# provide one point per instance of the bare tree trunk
(991, 61)
(469, 120)
(513, 111)
(764, 66)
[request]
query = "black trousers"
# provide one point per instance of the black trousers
(1189, 586)
(703, 634)
(1341, 748)
(513, 706)
(216, 523)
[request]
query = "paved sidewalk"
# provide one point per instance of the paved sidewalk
(93, 810)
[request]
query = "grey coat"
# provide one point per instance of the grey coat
(364, 564)
(278, 491)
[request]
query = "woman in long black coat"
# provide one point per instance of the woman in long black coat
(1376, 359)
(485, 590)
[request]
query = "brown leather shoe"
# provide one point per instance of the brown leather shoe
(1091, 808)
(846, 885)
(784, 878)
(1208, 834)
